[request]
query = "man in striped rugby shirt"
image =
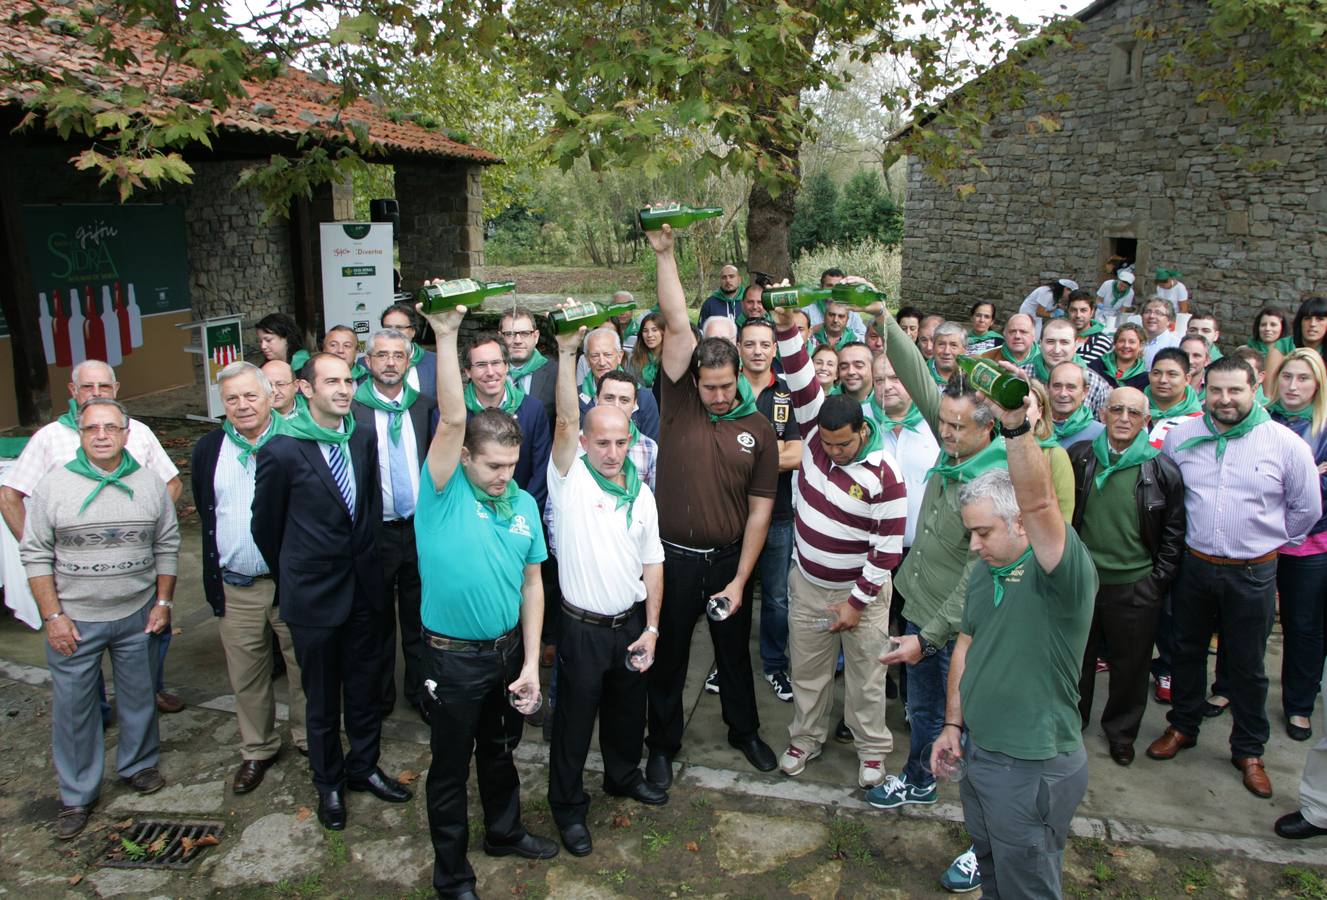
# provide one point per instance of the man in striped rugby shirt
(851, 507)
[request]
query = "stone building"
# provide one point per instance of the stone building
(1136, 168)
(229, 256)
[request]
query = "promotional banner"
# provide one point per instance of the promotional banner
(221, 347)
(110, 283)
(357, 275)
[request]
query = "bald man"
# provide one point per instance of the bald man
(1129, 511)
(726, 299)
(719, 327)
(282, 378)
(610, 568)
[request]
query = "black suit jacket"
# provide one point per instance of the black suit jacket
(543, 387)
(423, 420)
(203, 470)
(318, 555)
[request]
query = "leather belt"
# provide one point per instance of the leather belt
(1224, 561)
(699, 553)
(442, 642)
(590, 618)
(237, 579)
(398, 523)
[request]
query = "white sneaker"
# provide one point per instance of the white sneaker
(794, 760)
(871, 773)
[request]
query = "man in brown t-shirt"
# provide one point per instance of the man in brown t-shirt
(718, 473)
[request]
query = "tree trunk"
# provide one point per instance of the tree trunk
(768, 222)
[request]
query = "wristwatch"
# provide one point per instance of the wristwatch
(55, 615)
(652, 630)
(928, 649)
(169, 604)
(1015, 432)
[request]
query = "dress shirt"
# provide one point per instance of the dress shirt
(382, 421)
(233, 484)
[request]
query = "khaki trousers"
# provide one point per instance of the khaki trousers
(246, 636)
(814, 656)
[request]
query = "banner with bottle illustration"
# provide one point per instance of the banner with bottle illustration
(221, 347)
(357, 267)
(111, 283)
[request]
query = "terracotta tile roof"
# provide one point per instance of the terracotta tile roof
(285, 107)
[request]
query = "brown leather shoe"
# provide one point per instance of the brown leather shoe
(168, 702)
(251, 773)
(70, 821)
(1171, 742)
(1255, 776)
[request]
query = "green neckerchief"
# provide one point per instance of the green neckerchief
(746, 404)
(511, 398)
(416, 354)
(935, 376)
(1116, 294)
(822, 339)
(1285, 345)
(248, 447)
(1077, 421)
(1137, 453)
(1094, 328)
(298, 360)
(1113, 368)
(302, 427)
(1276, 407)
(1048, 442)
(836, 389)
(357, 372)
(1033, 355)
(70, 419)
(743, 318)
(984, 336)
(536, 362)
(504, 505)
(1256, 417)
(875, 442)
(79, 465)
(992, 456)
(632, 328)
(998, 572)
(625, 496)
(649, 372)
(1043, 374)
(1190, 404)
(1167, 274)
(1258, 396)
(366, 395)
(911, 419)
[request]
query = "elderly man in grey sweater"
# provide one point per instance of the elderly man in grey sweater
(100, 548)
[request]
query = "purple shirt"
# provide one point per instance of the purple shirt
(1262, 493)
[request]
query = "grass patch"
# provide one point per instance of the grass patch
(617, 877)
(655, 840)
(1197, 877)
(1305, 883)
(337, 849)
(847, 840)
(308, 886)
(700, 801)
(1102, 873)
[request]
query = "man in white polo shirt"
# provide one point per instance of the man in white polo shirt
(610, 569)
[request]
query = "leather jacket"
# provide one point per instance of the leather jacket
(1160, 499)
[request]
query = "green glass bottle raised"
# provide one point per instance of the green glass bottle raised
(590, 314)
(465, 292)
(856, 294)
(797, 296)
(675, 215)
(1004, 388)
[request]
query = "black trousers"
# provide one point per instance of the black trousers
(593, 680)
(1126, 616)
(548, 574)
(1238, 603)
(689, 580)
(471, 717)
(342, 664)
(400, 576)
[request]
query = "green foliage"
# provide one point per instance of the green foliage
(816, 220)
(865, 211)
(1305, 883)
(871, 259)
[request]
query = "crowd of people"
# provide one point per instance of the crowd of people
(500, 511)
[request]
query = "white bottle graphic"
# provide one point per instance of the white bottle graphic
(135, 320)
(44, 324)
(111, 324)
(77, 353)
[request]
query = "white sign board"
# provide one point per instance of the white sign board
(357, 274)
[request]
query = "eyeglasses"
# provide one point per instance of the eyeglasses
(108, 430)
(523, 335)
(393, 355)
(1117, 409)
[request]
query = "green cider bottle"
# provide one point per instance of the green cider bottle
(590, 314)
(465, 292)
(1002, 387)
(856, 294)
(795, 297)
(675, 215)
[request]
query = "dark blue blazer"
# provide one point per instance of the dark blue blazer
(646, 415)
(536, 444)
(317, 553)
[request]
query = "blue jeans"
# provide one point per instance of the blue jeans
(772, 567)
(927, 682)
(1302, 584)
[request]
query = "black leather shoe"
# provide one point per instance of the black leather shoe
(382, 787)
(758, 753)
(576, 838)
(1298, 732)
(642, 792)
(1294, 827)
(332, 811)
(532, 846)
(1212, 710)
(842, 733)
(659, 770)
(1122, 754)
(466, 894)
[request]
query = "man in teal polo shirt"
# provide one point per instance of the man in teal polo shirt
(1013, 678)
(480, 545)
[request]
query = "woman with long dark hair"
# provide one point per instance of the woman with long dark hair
(279, 338)
(1309, 330)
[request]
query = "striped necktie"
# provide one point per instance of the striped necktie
(341, 475)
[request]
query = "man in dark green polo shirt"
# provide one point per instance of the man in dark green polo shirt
(1013, 678)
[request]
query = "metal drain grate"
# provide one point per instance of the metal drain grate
(160, 844)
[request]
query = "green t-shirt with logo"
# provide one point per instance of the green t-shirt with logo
(1020, 680)
(471, 564)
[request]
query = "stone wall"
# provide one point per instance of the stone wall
(442, 220)
(1135, 157)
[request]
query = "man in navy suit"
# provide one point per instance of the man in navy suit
(400, 416)
(531, 371)
(317, 504)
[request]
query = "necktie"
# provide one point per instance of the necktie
(403, 494)
(341, 475)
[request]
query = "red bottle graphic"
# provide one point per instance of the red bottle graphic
(122, 316)
(94, 333)
(60, 329)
